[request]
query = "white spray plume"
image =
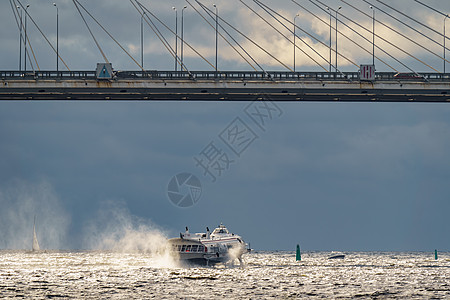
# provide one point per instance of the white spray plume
(116, 229)
(235, 253)
(20, 202)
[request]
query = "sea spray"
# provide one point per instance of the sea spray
(20, 201)
(235, 253)
(116, 229)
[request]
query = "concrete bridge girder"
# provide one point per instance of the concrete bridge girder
(229, 90)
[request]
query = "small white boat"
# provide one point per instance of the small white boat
(337, 256)
(220, 246)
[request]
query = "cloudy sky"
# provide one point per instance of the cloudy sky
(122, 20)
(330, 176)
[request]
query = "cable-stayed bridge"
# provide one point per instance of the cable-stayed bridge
(398, 82)
(225, 86)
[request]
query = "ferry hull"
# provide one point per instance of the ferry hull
(207, 249)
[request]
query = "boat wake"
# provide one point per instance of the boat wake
(115, 229)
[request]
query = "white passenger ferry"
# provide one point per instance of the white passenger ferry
(208, 248)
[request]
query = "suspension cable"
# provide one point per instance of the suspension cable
(110, 35)
(254, 43)
(413, 19)
(169, 29)
(435, 10)
(159, 34)
(16, 17)
(154, 28)
(95, 40)
(432, 8)
(266, 9)
(412, 28)
(353, 30)
(26, 38)
(279, 32)
(161, 37)
(228, 42)
(346, 58)
(390, 43)
(46, 39)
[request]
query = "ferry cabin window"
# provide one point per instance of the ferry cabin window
(194, 248)
(179, 248)
(220, 230)
(201, 248)
(183, 248)
(188, 248)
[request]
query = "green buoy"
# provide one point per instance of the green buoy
(435, 254)
(298, 255)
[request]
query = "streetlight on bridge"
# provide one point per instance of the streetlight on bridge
(57, 37)
(296, 16)
(445, 19)
(373, 35)
(176, 38)
(20, 38)
(26, 37)
(329, 12)
(142, 40)
(217, 30)
(337, 37)
(182, 36)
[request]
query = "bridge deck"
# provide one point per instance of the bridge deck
(223, 86)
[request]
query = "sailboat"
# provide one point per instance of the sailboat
(35, 246)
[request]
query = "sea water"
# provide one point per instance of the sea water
(266, 275)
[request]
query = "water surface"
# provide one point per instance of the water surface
(266, 275)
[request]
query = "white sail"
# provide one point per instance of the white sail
(35, 240)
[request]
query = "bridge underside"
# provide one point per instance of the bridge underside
(172, 86)
(225, 94)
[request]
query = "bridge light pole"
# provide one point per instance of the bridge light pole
(217, 30)
(182, 37)
(373, 35)
(329, 12)
(20, 37)
(176, 38)
(297, 15)
(445, 19)
(57, 37)
(337, 37)
(26, 37)
(142, 40)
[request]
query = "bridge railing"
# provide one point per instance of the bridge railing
(48, 75)
(237, 75)
(221, 75)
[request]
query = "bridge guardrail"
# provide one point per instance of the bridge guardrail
(223, 75)
(48, 75)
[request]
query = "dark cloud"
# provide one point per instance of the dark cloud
(326, 175)
(334, 175)
(123, 21)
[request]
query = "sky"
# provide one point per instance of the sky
(327, 176)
